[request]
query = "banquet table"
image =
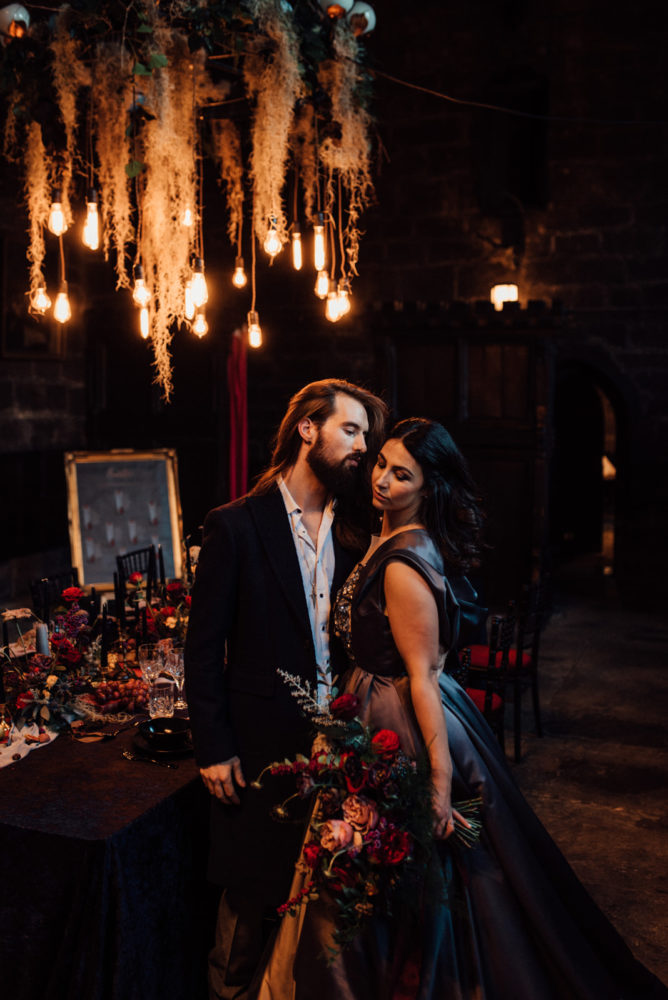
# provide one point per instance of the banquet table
(103, 892)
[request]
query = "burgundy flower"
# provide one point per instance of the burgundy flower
(135, 578)
(175, 589)
(312, 853)
(354, 772)
(330, 801)
(345, 707)
(378, 774)
(389, 845)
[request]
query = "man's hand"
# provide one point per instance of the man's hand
(221, 779)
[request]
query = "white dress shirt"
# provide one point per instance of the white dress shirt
(316, 563)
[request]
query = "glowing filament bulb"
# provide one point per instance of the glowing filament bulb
(91, 232)
(61, 309)
(187, 219)
(239, 278)
(322, 285)
(332, 306)
(144, 322)
(319, 244)
(189, 304)
(200, 326)
(141, 296)
(272, 243)
(297, 258)
(40, 301)
(344, 299)
(56, 221)
(200, 292)
(254, 329)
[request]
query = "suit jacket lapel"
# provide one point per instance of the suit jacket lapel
(273, 527)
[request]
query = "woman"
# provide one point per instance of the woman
(518, 924)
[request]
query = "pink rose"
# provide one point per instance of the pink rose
(336, 834)
(360, 813)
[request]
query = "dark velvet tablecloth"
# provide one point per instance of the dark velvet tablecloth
(102, 876)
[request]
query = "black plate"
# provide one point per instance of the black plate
(148, 750)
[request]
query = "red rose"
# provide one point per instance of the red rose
(72, 594)
(135, 578)
(188, 600)
(385, 742)
(354, 771)
(24, 699)
(345, 707)
(175, 589)
(168, 611)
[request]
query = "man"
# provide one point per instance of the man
(268, 571)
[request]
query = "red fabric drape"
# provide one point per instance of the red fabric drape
(237, 384)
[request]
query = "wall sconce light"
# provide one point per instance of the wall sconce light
(503, 293)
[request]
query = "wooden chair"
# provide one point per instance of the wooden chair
(45, 592)
(488, 672)
(138, 561)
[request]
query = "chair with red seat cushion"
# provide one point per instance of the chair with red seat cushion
(486, 684)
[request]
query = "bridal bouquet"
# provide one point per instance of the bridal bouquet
(370, 839)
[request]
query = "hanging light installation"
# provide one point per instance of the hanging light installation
(297, 256)
(254, 329)
(200, 327)
(200, 292)
(322, 285)
(319, 243)
(40, 301)
(272, 243)
(141, 295)
(144, 323)
(62, 311)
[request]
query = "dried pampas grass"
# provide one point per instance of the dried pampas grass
(347, 157)
(38, 199)
(111, 98)
(273, 82)
(226, 143)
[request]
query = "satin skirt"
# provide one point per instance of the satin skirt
(518, 925)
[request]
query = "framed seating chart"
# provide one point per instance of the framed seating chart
(119, 501)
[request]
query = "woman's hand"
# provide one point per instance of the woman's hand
(444, 814)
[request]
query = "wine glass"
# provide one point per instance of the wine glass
(174, 666)
(150, 661)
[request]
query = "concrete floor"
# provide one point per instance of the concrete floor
(598, 779)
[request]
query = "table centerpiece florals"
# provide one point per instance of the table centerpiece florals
(370, 843)
(67, 685)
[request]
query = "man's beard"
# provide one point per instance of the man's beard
(341, 479)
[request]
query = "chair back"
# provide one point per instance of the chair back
(530, 623)
(137, 561)
(501, 636)
(45, 592)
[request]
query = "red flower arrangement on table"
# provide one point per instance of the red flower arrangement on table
(370, 837)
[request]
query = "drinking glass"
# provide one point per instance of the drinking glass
(150, 662)
(174, 667)
(161, 699)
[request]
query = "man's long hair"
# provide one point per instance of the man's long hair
(317, 401)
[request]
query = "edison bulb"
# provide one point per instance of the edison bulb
(40, 301)
(332, 306)
(239, 279)
(187, 219)
(91, 232)
(200, 326)
(141, 296)
(272, 243)
(61, 309)
(200, 292)
(297, 256)
(344, 299)
(319, 244)
(189, 304)
(254, 329)
(56, 222)
(144, 327)
(322, 284)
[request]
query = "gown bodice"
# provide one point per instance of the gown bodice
(360, 620)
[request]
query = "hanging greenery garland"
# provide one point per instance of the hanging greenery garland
(116, 103)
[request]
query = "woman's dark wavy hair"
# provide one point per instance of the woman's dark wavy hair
(450, 510)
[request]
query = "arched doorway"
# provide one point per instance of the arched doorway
(584, 467)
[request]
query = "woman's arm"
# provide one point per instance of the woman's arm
(413, 618)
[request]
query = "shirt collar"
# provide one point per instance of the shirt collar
(291, 505)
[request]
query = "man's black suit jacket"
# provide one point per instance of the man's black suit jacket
(248, 619)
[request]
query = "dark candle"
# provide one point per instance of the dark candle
(104, 644)
(161, 564)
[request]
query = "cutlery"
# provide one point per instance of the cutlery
(129, 755)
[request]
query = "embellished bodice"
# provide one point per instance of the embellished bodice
(360, 620)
